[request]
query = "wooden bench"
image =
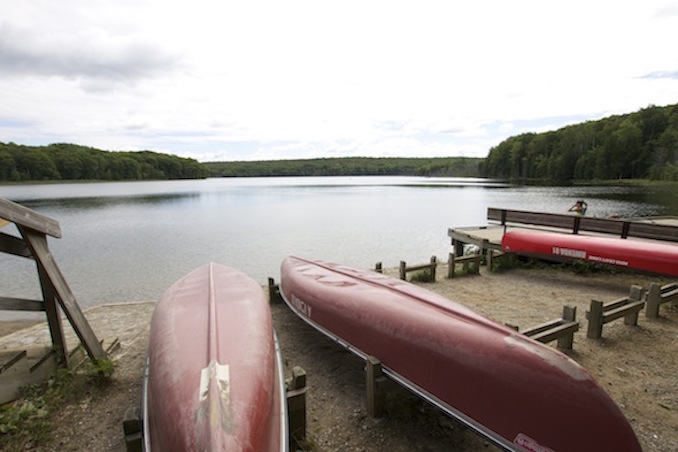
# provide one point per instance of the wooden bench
(658, 295)
(574, 224)
(562, 329)
(601, 314)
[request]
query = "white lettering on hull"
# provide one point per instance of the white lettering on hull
(301, 306)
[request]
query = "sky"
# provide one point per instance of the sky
(260, 80)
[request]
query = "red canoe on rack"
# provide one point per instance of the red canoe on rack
(516, 392)
(214, 375)
(647, 256)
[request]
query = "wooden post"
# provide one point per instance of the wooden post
(635, 294)
(450, 265)
(403, 274)
(458, 247)
(37, 243)
(378, 268)
(296, 405)
(476, 264)
(653, 301)
(376, 383)
(434, 264)
(56, 329)
(595, 316)
(569, 315)
(273, 291)
(490, 259)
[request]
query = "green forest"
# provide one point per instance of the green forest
(640, 145)
(351, 166)
(72, 162)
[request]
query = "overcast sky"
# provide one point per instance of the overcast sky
(250, 80)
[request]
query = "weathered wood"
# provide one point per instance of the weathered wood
(54, 322)
(561, 329)
(21, 216)
(453, 260)
(20, 304)
(13, 245)
(296, 405)
(377, 387)
(595, 317)
(132, 428)
(600, 314)
(576, 224)
(658, 295)
(37, 243)
(403, 269)
(273, 292)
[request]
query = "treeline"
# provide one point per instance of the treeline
(640, 145)
(72, 162)
(350, 166)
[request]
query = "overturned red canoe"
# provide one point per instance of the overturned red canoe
(647, 256)
(518, 393)
(214, 375)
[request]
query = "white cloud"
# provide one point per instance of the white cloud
(307, 79)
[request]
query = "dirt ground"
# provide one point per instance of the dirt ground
(638, 365)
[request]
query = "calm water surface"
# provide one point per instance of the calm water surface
(129, 241)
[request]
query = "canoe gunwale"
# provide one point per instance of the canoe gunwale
(409, 385)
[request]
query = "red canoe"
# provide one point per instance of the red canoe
(636, 254)
(214, 375)
(518, 393)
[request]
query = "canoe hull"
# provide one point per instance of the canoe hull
(638, 255)
(514, 391)
(214, 375)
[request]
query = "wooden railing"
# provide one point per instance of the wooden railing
(562, 329)
(470, 259)
(658, 295)
(600, 313)
(430, 267)
(575, 224)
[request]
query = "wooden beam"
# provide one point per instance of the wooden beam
(56, 329)
(13, 245)
(37, 243)
(22, 216)
(20, 304)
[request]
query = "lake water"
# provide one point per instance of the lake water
(129, 241)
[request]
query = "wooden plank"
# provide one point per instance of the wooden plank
(557, 332)
(13, 245)
(54, 322)
(576, 224)
(543, 327)
(21, 304)
(653, 231)
(622, 311)
(22, 216)
(38, 244)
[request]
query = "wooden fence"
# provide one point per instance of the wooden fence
(453, 260)
(658, 295)
(430, 267)
(600, 314)
(562, 329)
